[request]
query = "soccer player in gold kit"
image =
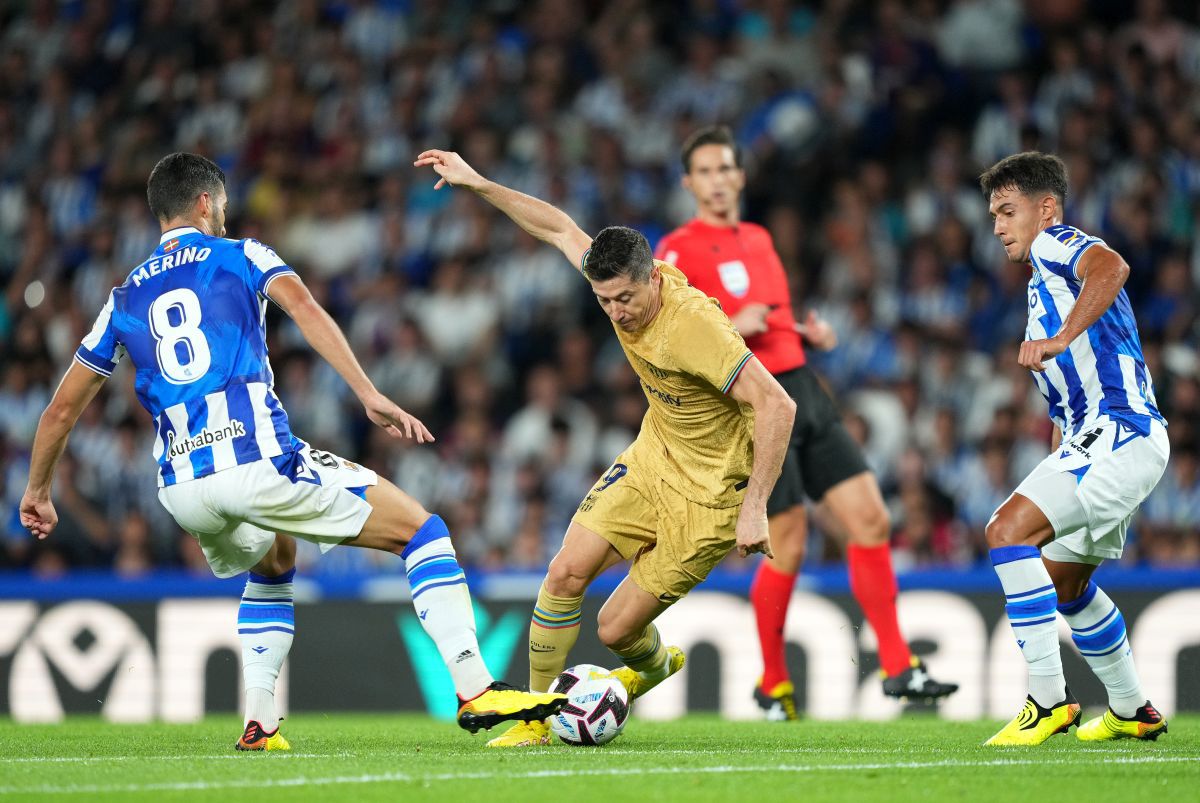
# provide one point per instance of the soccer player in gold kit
(694, 483)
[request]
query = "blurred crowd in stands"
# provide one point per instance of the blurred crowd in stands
(863, 127)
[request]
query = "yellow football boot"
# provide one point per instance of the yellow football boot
(255, 738)
(524, 734)
(501, 701)
(637, 685)
(1146, 723)
(1035, 724)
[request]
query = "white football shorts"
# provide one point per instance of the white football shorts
(1090, 487)
(235, 513)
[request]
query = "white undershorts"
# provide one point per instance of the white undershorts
(235, 513)
(1090, 487)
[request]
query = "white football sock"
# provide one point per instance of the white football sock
(1030, 604)
(443, 604)
(1098, 630)
(266, 626)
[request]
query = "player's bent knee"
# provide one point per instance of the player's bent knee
(875, 527)
(1002, 531)
(395, 518)
(566, 579)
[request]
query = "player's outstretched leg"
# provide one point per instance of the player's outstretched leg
(857, 505)
(1098, 630)
(1031, 602)
(554, 626)
(443, 604)
(266, 626)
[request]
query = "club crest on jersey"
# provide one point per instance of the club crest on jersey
(734, 277)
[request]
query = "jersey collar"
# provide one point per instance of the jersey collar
(179, 231)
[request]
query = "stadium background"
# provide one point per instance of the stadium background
(863, 126)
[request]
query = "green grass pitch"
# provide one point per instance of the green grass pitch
(411, 758)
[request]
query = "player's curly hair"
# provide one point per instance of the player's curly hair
(618, 251)
(178, 180)
(709, 135)
(1030, 173)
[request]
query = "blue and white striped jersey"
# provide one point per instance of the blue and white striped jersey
(1103, 372)
(191, 318)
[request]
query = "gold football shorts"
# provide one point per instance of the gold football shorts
(673, 542)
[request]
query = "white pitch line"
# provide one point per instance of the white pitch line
(176, 757)
(567, 773)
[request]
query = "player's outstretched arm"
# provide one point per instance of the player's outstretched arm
(1103, 273)
(77, 389)
(323, 334)
(774, 413)
(544, 221)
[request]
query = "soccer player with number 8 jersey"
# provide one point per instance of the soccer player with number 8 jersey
(191, 318)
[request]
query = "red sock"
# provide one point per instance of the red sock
(770, 594)
(874, 586)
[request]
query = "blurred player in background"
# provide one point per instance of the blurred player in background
(695, 482)
(735, 262)
(191, 319)
(1072, 512)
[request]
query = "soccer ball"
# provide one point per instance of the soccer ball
(597, 706)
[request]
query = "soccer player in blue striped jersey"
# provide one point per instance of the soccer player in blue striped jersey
(231, 472)
(1110, 449)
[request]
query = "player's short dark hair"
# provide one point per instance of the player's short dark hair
(178, 180)
(618, 251)
(1030, 173)
(710, 135)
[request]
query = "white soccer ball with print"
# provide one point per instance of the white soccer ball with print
(597, 706)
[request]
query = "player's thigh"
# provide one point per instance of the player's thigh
(692, 540)
(395, 517)
(1018, 522)
(584, 554)
(856, 504)
(626, 614)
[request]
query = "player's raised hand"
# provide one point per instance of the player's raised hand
(752, 533)
(452, 168)
(817, 331)
(38, 516)
(1034, 352)
(751, 319)
(385, 413)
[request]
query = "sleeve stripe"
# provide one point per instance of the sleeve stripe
(273, 274)
(733, 375)
(91, 366)
(1073, 267)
